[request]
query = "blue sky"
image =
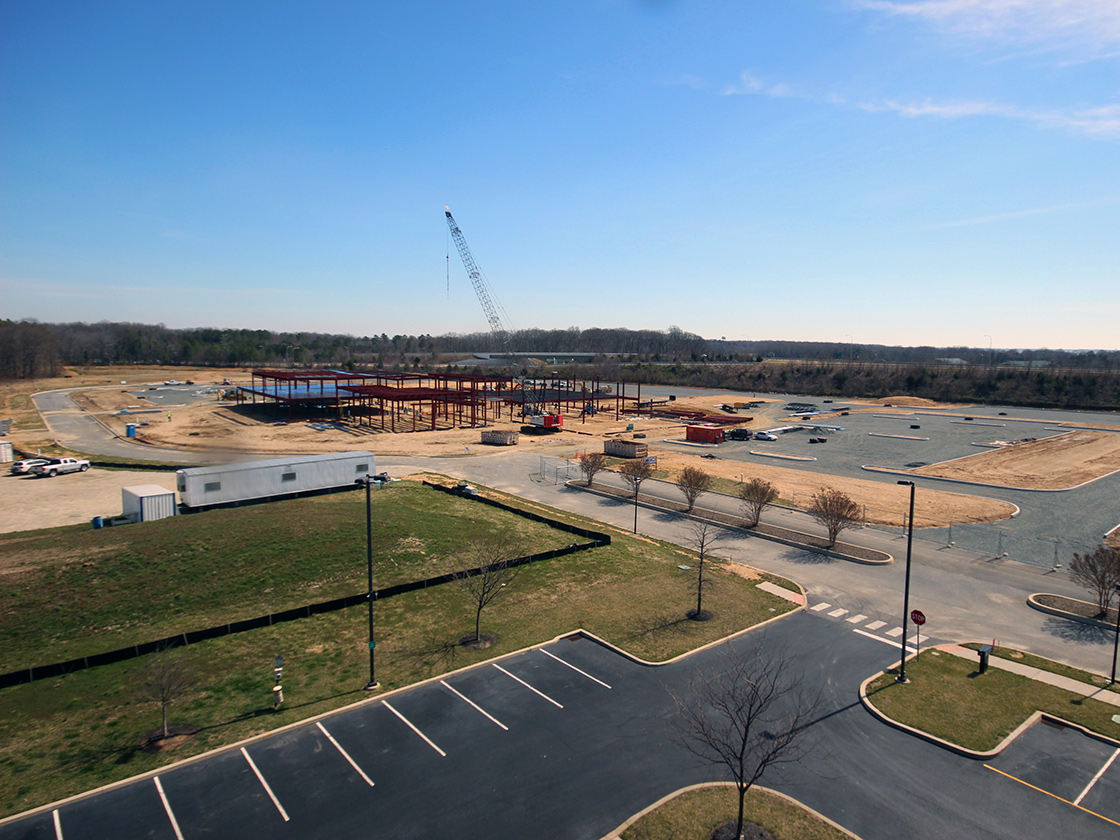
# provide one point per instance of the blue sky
(938, 172)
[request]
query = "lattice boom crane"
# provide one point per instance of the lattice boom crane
(492, 315)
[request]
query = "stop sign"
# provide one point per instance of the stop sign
(918, 617)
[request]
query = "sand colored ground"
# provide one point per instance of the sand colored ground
(886, 504)
(226, 426)
(1056, 463)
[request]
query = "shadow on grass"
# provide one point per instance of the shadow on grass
(665, 621)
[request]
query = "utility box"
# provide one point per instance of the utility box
(704, 434)
(985, 652)
(625, 448)
(147, 503)
(7, 452)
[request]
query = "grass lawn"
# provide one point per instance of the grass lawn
(693, 815)
(62, 736)
(76, 591)
(947, 698)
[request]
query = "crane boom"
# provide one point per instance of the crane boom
(475, 273)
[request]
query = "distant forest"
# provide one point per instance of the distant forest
(1051, 378)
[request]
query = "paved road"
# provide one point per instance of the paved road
(536, 748)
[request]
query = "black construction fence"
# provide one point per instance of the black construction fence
(595, 539)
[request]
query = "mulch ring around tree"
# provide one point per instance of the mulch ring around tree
(483, 641)
(751, 831)
(177, 735)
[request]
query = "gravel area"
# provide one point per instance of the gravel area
(30, 503)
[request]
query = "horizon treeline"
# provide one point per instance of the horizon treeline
(1055, 378)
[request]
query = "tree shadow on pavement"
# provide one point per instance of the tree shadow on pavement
(1078, 633)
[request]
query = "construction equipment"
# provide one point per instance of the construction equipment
(537, 420)
(493, 312)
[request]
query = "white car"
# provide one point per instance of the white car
(60, 466)
(24, 467)
(765, 436)
(172, 382)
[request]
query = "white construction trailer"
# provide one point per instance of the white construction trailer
(201, 487)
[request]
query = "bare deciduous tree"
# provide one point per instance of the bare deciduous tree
(1098, 572)
(693, 483)
(592, 463)
(488, 572)
(748, 714)
(634, 472)
(835, 510)
(757, 495)
(164, 677)
(704, 536)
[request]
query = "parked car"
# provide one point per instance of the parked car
(765, 436)
(172, 382)
(24, 467)
(56, 466)
(739, 434)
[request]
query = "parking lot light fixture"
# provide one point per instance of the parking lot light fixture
(906, 587)
(1116, 639)
(373, 684)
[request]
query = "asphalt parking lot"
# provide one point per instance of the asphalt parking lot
(1051, 525)
(568, 741)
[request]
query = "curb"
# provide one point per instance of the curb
(617, 833)
(1092, 622)
(1030, 721)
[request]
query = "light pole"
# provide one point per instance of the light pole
(906, 589)
(637, 484)
(373, 684)
(1116, 641)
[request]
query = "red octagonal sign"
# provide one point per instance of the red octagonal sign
(918, 617)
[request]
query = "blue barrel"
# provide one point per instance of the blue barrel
(98, 523)
(130, 430)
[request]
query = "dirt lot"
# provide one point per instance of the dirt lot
(71, 499)
(230, 427)
(1056, 463)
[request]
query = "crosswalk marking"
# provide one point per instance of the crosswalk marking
(897, 631)
(838, 612)
(856, 619)
(821, 606)
(875, 625)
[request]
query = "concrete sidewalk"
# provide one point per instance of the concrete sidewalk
(1076, 686)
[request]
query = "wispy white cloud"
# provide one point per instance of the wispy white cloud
(1101, 121)
(749, 84)
(1089, 27)
(1018, 214)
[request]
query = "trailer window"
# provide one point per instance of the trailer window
(212, 486)
(361, 468)
(288, 476)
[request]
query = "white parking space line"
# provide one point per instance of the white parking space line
(345, 754)
(856, 619)
(875, 625)
(821, 606)
(574, 668)
(1100, 773)
(412, 726)
(896, 631)
(534, 690)
(57, 826)
(167, 808)
(474, 705)
(838, 612)
(891, 642)
(264, 784)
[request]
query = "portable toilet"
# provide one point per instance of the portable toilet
(148, 502)
(130, 430)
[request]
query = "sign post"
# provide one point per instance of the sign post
(919, 618)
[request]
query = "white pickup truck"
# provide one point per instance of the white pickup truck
(55, 466)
